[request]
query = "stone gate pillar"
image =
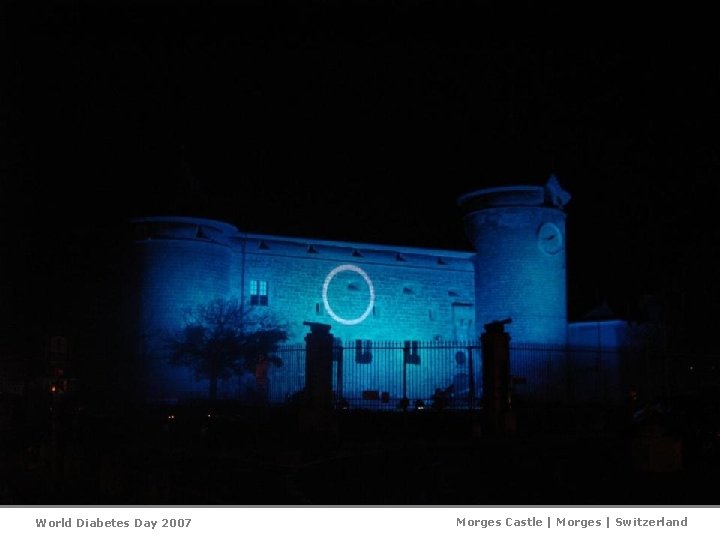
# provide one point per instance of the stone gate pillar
(318, 366)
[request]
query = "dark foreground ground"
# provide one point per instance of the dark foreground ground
(229, 455)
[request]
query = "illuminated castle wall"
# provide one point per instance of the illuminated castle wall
(364, 291)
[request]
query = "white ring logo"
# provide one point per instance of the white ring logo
(348, 268)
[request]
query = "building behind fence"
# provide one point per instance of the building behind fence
(378, 375)
(402, 312)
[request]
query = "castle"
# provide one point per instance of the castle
(367, 293)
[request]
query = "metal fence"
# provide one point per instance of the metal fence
(379, 375)
(288, 379)
(567, 375)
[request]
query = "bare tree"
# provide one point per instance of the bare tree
(222, 338)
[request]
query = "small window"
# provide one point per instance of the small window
(411, 353)
(258, 292)
(363, 351)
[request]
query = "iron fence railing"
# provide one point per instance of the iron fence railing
(380, 374)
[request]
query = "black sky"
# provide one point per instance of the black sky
(362, 122)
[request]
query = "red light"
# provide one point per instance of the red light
(53, 389)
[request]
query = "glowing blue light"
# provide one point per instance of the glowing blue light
(348, 268)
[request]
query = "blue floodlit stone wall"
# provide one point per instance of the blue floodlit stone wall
(363, 291)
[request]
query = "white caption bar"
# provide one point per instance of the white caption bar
(415, 523)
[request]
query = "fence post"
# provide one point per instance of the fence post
(496, 374)
(471, 379)
(318, 365)
(338, 353)
(406, 358)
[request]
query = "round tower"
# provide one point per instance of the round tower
(519, 236)
(175, 263)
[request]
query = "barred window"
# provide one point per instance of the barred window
(363, 351)
(411, 353)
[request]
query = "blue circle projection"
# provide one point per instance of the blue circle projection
(348, 268)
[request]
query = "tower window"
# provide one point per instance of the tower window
(258, 293)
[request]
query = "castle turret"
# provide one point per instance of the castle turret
(176, 263)
(519, 237)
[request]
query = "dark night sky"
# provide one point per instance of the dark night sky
(364, 123)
